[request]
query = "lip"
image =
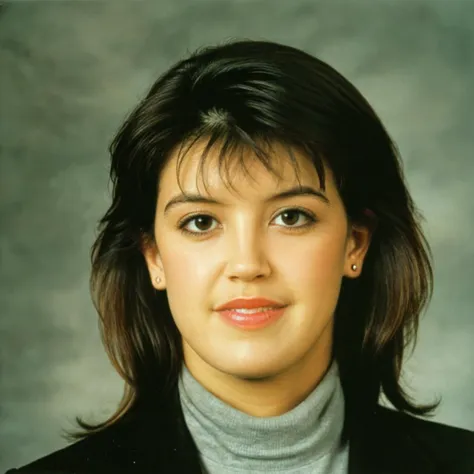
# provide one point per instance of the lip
(254, 320)
(249, 303)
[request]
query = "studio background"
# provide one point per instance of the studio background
(70, 71)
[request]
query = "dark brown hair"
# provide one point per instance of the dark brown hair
(244, 95)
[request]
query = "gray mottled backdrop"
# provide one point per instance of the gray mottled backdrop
(70, 71)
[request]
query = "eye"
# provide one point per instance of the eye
(291, 216)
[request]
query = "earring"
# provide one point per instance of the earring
(354, 267)
(157, 279)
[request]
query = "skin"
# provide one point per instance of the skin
(247, 248)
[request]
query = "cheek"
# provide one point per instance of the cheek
(192, 267)
(315, 265)
(312, 258)
(187, 274)
(184, 265)
(311, 265)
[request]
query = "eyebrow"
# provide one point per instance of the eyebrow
(296, 191)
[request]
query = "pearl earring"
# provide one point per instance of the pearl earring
(354, 267)
(157, 279)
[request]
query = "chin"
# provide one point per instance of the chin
(256, 372)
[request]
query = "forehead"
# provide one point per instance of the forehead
(240, 169)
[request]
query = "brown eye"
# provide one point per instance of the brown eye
(290, 218)
(201, 221)
(293, 219)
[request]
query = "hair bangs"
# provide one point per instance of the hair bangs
(231, 143)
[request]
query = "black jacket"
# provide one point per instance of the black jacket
(156, 440)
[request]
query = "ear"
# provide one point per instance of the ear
(357, 246)
(153, 261)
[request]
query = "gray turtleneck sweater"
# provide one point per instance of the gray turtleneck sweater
(305, 440)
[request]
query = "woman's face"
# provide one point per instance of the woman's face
(247, 246)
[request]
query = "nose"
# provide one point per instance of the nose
(248, 259)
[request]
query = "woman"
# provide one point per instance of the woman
(241, 136)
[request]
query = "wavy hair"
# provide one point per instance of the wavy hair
(243, 95)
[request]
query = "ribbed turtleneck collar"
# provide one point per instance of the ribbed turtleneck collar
(309, 434)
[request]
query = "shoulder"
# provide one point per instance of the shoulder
(87, 455)
(448, 445)
(114, 449)
(434, 430)
(143, 442)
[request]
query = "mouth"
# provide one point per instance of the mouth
(254, 310)
(254, 318)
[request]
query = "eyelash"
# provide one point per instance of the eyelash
(182, 224)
